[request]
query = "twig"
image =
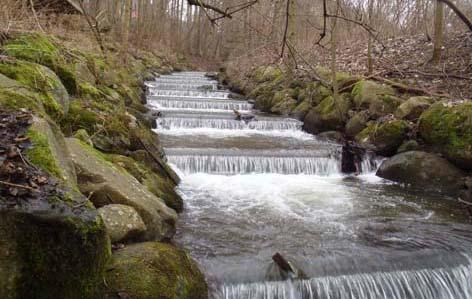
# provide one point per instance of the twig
(18, 186)
(36, 16)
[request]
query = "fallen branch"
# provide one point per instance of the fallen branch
(458, 12)
(18, 186)
(408, 89)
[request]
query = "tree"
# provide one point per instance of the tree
(438, 31)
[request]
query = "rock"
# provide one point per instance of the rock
(412, 108)
(301, 110)
(122, 222)
(284, 107)
(466, 193)
(83, 136)
(314, 93)
(83, 72)
(328, 115)
(449, 130)
(357, 123)
(409, 145)
(267, 73)
(54, 96)
(49, 151)
(334, 136)
(378, 99)
(154, 270)
(383, 138)
(15, 95)
(423, 170)
(107, 184)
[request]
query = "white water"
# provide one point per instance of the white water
(251, 190)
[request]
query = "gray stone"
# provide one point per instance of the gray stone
(122, 222)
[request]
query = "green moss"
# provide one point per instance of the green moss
(14, 99)
(80, 117)
(40, 154)
(41, 49)
(38, 79)
(384, 137)
(155, 270)
(450, 130)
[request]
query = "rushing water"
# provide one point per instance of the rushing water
(257, 188)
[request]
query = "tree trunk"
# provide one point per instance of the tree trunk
(438, 31)
(126, 24)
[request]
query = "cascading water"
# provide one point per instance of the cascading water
(253, 188)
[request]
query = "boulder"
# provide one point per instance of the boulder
(448, 128)
(383, 138)
(55, 98)
(267, 73)
(122, 222)
(357, 123)
(378, 99)
(409, 145)
(106, 183)
(329, 115)
(423, 170)
(15, 95)
(301, 110)
(154, 270)
(412, 108)
(333, 136)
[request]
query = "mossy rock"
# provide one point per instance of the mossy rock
(357, 123)
(283, 102)
(329, 115)
(343, 79)
(301, 110)
(154, 270)
(15, 95)
(49, 152)
(39, 48)
(49, 247)
(383, 138)
(412, 108)
(122, 222)
(42, 80)
(267, 73)
(314, 93)
(449, 130)
(409, 145)
(423, 170)
(379, 99)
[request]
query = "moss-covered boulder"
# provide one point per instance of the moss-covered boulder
(41, 79)
(122, 222)
(283, 102)
(329, 115)
(50, 152)
(379, 99)
(449, 130)
(106, 183)
(15, 95)
(314, 93)
(267, 73)
(301, 110)
(412, 108)
(383, 138)
(409, 145)
(154, 270)
(41, 49)
(159, 184)
(357, 123)
(423, 170)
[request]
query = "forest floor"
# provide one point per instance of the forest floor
(407, 59)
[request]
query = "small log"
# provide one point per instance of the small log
(282, 263)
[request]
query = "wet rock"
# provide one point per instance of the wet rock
(333, 136)
(107, 184)
(357, 123)
(448, 129)
(351, 158)
(154, 270)
(412, 108)
(423, 170)
(383, 138)
(122, 222)
(329, 115)
(282, 269)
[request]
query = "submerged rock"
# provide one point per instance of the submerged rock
(154, 270)
(108, 184)
(449, 130)
(383, 138)
(122, 222)
(423, 170)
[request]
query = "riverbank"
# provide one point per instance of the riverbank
(104, 226)
(427, 138)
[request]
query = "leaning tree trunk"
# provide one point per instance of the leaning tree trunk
(438, 31)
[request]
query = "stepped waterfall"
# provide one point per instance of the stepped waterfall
(256, 187)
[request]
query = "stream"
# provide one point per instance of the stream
(257, 188)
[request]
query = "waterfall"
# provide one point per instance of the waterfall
(199, 104)
(179, 85)
(441, 283)
(188, 93)
(240, 161)
(215, 123)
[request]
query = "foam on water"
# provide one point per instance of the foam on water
(200, 104)
(170, 123)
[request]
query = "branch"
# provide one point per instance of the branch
(240, 7)
(284, 40)
(458, 12)
(210, 7)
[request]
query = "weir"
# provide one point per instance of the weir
(253, 188)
